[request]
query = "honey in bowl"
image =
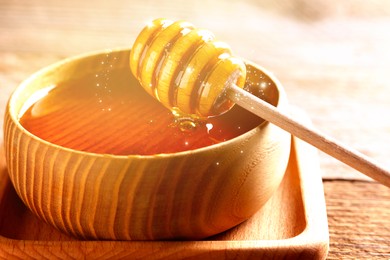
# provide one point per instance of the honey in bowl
(104, 112)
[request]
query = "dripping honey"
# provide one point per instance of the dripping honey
(110, 113)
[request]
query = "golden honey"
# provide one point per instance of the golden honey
(108, 112)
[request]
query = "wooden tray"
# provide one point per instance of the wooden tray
(292, 224)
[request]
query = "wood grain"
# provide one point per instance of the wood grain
(359, 219)
(291, 225)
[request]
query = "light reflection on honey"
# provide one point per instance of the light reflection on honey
(108, 112)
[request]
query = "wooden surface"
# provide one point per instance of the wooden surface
(333, 60)
(291, 225)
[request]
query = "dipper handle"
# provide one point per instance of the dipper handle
(309, 134)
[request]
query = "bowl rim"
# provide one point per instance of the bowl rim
(282, 99)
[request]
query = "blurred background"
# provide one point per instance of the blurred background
(332, 57)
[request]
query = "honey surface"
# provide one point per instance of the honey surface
(110, 113)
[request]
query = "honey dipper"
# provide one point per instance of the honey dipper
(191, 73)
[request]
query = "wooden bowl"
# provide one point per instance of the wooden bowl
(184, 195)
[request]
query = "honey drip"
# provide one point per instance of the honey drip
(186, 123)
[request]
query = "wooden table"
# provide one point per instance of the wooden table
(333, 60)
